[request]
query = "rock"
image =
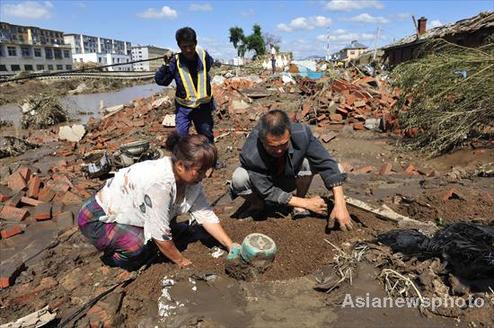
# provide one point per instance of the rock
(72, 133)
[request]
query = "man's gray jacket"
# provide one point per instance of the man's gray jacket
(262, 170)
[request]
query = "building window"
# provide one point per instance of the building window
(15, 68)
(352, 52)
(81, 60)
(49, 53)
(99, 59)
(3, 68)
(68, 67)
(57, 53)
(66, 54)
(28, 68)
(37, 52)
(25, 51)
(59, 67)
(40, 67)
(50, 67)
(1, 51)
(12, 51)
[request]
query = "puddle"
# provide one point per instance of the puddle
(88, 103)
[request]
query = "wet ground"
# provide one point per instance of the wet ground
(68, 275)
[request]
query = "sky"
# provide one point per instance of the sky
(306, 28)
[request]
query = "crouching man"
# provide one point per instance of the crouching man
(280, 157)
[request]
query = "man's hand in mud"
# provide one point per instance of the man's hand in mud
(340, 213)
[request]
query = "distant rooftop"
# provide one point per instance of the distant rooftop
(469, 25)
(355, 45)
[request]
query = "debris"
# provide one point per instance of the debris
(40, 112)
(12, 146)
(169, 120)
(39, 318)
(72, 133)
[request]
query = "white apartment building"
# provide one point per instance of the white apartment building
(29, 48)
(146, 52)
(99, 50)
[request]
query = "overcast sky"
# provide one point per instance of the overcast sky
(305, 27)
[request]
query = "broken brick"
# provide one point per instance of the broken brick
(386, 169)
(358, 126)
(336, 117)
(13, 213)
(359, 103)
(328, 137)
(30, 201)
(42, 212)
(451, 194)
(4, 282)
(4, 197)
(15, 200)
(33, 186)
(12, 231)
(16, 182)
(25, 172)
(411, 170)
(46, 194)
(364, 170)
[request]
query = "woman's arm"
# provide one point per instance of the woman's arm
(168, 248)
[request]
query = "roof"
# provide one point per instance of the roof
(355, 45)
(469, 25)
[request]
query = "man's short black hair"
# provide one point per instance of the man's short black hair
(185, 34)
(274, 122)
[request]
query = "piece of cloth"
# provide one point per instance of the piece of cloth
(241, 184)
(144, 195)
(303, 145)
(122, 244)
(167, 73)
(201, 117)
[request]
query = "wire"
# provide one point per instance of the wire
(77, 70)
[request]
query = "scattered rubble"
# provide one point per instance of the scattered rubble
(40, 112)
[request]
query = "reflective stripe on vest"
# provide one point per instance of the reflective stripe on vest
(194, 98)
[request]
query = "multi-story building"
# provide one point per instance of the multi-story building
(99, 50)
(147, 52)
(29, 48)
(352, 51)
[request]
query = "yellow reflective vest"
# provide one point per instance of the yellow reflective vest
(194, 97)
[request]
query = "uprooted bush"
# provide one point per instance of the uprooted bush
(42, 111)
(448, 96)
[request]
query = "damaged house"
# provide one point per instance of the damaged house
(471, 32)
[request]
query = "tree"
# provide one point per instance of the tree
(275, 40)
(244, 43)
(256, 42)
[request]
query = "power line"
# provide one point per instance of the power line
(77, 70)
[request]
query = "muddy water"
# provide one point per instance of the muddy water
(88, 103)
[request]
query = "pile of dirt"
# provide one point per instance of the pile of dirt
(42, 111)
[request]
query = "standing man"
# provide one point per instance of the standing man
(279, 157)
(273, 58)
(193, 98)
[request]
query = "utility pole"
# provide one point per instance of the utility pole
(376, 41)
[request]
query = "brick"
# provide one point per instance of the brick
(30, 201)
(386, 169)
(336, 117)
(4, 282)
(42, 212)
(16, 182)
(364, 170)
(358, 126)
(359, 103)
(328, 137)
(11, 231)
(25, 172)
(46, 194)
(4, 197)
(71, 198)
(33, 186)
(411, 170)
(15, 200)
(451, 194)
(13, 213)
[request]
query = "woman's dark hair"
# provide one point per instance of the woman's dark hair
(274, 122)
(185, 34)
(194, 150)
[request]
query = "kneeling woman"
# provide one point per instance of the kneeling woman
(137, 207)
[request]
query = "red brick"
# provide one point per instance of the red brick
(16, 182)
(336, 117)
(328, 137)
(25, 172)
(358, 126)
(411, 170)
(4, 282)
(42, 212)
(364, 170)
(33, 186)
(342, 111)
(4, 197)
(359, 103)
(13, 213)
(12, 231)
(46, 194)
(386, 169)
(71, 198)
(30, 201)
(15, 200)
